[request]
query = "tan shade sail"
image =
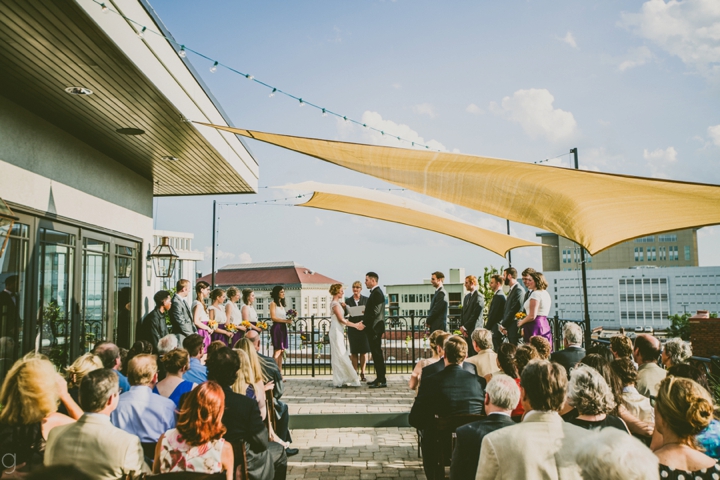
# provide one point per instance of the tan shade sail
(596, 210)
(392, 208)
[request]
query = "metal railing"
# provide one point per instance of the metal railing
(404, 343)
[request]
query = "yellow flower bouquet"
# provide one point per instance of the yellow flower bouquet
(212, 324)
(262, 325)
(231, 327)
(520, 315)
(246, 324)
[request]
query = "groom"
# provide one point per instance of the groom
(374, 320)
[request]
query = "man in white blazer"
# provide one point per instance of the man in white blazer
(93, 444)
(543, 446)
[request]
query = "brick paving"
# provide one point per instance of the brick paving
(355, 454)
(316, 395)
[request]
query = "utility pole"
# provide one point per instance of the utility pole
(509, 252)
(213, 243)
(588, 329)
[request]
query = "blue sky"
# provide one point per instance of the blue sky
(634, 86)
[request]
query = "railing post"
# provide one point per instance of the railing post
(412, 339)
(312, 345)
(556, 334)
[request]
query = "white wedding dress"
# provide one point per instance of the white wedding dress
(343, 371)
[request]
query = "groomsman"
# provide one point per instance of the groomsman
(437, 315)
(513, 305)
(374, 320)
(180, 316)
(473, 307)
(496, 311)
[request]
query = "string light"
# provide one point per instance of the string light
(302, 104)
(249, 77)
(104, 8)
(182, 52)
(213, 69)
(324, 113)
(141, 33)
(272, 94)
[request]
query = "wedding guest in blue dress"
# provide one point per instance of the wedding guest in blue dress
(537, 307)
(176, 363)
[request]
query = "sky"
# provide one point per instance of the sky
(635, 86)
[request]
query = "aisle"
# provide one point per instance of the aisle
(355, 453)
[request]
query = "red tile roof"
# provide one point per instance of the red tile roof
(290, 274)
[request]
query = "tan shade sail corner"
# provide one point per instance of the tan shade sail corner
(596, 210)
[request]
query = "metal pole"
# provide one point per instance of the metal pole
(588, 328)
(312, 344)
(213, 243)
(412, 333)
(509, 253)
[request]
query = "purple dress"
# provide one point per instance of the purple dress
(540, 326)
(278, 331)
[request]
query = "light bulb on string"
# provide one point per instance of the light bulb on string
(345, 118)
(213, 69)
(302, 104)
(272, 94)
(382, 133)
(182, 52)
(141, 33)
(104, 8)
(324, 113)
(249, 77)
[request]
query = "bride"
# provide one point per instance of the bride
(343, 371)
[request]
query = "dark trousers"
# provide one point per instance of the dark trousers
(375, 340)
(283, 421)
(512, 333)
(431, 457)
(437, 326)
(497, 337)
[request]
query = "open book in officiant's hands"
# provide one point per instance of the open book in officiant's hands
(356, 311)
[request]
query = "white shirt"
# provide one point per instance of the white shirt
(544, 302)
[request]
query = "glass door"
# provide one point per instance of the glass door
(125, 294)
(94, 306)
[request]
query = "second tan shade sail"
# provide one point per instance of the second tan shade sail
(596, 210)
(396, 209)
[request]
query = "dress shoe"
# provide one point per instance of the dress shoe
(291, 451)
(379, 385)
(372, 382)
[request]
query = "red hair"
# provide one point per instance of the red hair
(200, 418)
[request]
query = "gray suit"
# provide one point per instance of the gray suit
(513, 305)
(181, 319)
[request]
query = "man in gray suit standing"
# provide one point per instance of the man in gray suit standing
(497, 311)
(437, 315)
(180, 315)
(513, 305)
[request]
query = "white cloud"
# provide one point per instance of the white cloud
(689, 30)
(570, 40)
(533, 110)
(424, 109)
(391, 131)
(396, 86)
(474, 109)
(219, 254)
(635, 57)
(245, 258)
(658, 160)
(714, 134)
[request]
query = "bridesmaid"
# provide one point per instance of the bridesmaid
(200, 313)
(249, 314)
(216, 312)
(232, 312)
(278, 331)
(537, 307)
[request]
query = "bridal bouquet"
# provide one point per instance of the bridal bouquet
(291, 315)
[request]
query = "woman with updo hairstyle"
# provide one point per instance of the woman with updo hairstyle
(83, 365)
(507, 363)
(675, 352)
(683, 409)
(216, 313)
(176, 363)
(523, 356)
(436, 339)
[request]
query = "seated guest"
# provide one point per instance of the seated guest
(109, 353)
(601, 350)
(195, 346)
(646, 352)
(271, 373)
(621, 346)
(214, 345)
(590, 394)
(486, 360)
(613, 455)
(542, 346)
(573, 351)
(452, 391)
(140, 411)
(439, 366)
(501, 396)
(676, 351)
(83, 365)
(508, 366)
(637, 404)
(246, 384)
(524, 355)
(265, 460)
(196, 444)
(29, 399)
(138, 348)
(436, 339)
(683, 409)
(92, 443)
(59, 472)
(542, 445)
(152, 327)
(175, 363)
(166, 344)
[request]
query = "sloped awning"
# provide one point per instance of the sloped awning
(392, 208)
(596, 210)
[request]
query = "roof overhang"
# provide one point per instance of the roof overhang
(137, 82)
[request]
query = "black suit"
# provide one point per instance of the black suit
(243, 422)
(181, 319)
(439, 366)
(374, 320)
(513, 305)
(495, 318)
(453, 391)
(471, 318)
(467, 446)
(152, 328)
(568, 357)
(437, 315)
(271, 373)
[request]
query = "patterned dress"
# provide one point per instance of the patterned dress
(178, 456)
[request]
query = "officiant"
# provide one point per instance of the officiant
(359, 345)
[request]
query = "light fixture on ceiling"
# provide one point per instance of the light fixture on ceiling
(130, 131)
(78, 91)
(169, 158)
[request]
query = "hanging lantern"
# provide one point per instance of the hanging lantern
(164, 259)
(7, 220)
